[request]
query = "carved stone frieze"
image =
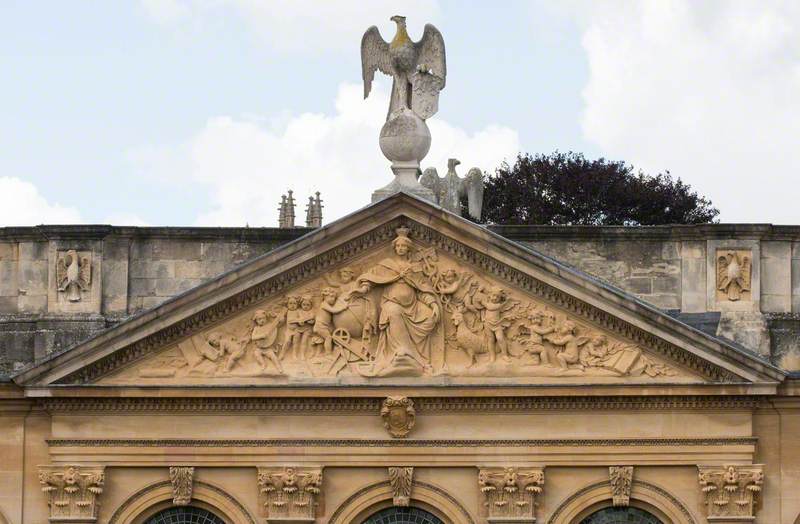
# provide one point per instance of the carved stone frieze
(621, 480)
(509, 493)
(733, 274)
(401, 480)
(399, 416)
(407, 310)
(73, 492)
(182, 479)
(731, 491)
(290, 494)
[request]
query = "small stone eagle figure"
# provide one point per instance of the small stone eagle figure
(73, 275)
(733, 275)
(450, 189)
(418, 68)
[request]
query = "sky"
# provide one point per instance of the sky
(203, 112)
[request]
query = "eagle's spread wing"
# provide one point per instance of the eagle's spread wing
(745, 274)
(85, 272)
(472, 188)
(722, 273)
(374, 56)
(430, 179)
(61, 274)
(430, 53)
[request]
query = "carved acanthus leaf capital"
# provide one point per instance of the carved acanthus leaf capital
(401, 480)
(182, 478)
(73, 492)
(290, 494)
(731, 490)
(509, 493)
(621, 480)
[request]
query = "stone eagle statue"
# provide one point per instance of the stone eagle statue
(73, 275)
(418, 69)
(450, 189)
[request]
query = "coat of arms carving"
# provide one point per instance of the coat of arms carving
(399, 416)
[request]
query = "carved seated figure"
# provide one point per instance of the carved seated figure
(409, 311)
(566, 335)
(540, 323)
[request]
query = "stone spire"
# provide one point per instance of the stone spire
(314, 211)
(286, 211)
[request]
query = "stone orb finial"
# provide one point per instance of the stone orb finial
(405, 138)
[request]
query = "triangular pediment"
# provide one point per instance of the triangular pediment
(401, 292)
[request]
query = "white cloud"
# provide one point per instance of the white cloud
(246, 164)
(295, 24)
(706, 90)
(22, 205)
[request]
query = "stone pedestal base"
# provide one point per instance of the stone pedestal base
(405, 179)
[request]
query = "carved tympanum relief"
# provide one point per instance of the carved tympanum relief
(401, 480)
(731, 491)
(509, 494)
(182, 478)
(72, 492)
(290, 494)
(621, 480)
(73, 274)
(405, 311)
(733, 274)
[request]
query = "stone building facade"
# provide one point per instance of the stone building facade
(400, 365)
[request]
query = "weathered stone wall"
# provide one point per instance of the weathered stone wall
(132, 269)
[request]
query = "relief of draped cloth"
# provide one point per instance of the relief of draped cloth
(406, 320)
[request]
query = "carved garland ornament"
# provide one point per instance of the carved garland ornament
(429, 294)
(509, 493)
(290, 494)
(401, 480)
(182, 478)
(621, 480)
(73, 492)
(731, 491)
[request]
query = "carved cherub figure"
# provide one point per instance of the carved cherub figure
(293, 337)
(323, 322)
(495, 322)
(304, 325)
(539, 324)
(227, 345)
(566, 334)
(595, 351)
(264, 335)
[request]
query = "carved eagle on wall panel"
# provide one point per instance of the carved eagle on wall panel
(73, 274)
(733, 275)
(418, 69)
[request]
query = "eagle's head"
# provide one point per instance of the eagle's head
(399, 20)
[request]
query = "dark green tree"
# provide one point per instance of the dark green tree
(567, 189)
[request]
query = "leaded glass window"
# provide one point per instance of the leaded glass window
(403, 516)
(185, 515)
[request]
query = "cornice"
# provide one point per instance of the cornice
(370, 405)
(380, 235)
(399, 443)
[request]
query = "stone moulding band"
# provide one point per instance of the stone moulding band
(373, 405)
(379, 236)
(255, 443)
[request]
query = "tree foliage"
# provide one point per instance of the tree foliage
(567, 189)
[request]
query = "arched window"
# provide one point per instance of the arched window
(184, 515)
(621, 516)
(403, 516)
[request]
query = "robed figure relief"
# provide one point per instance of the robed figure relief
(409, 311)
